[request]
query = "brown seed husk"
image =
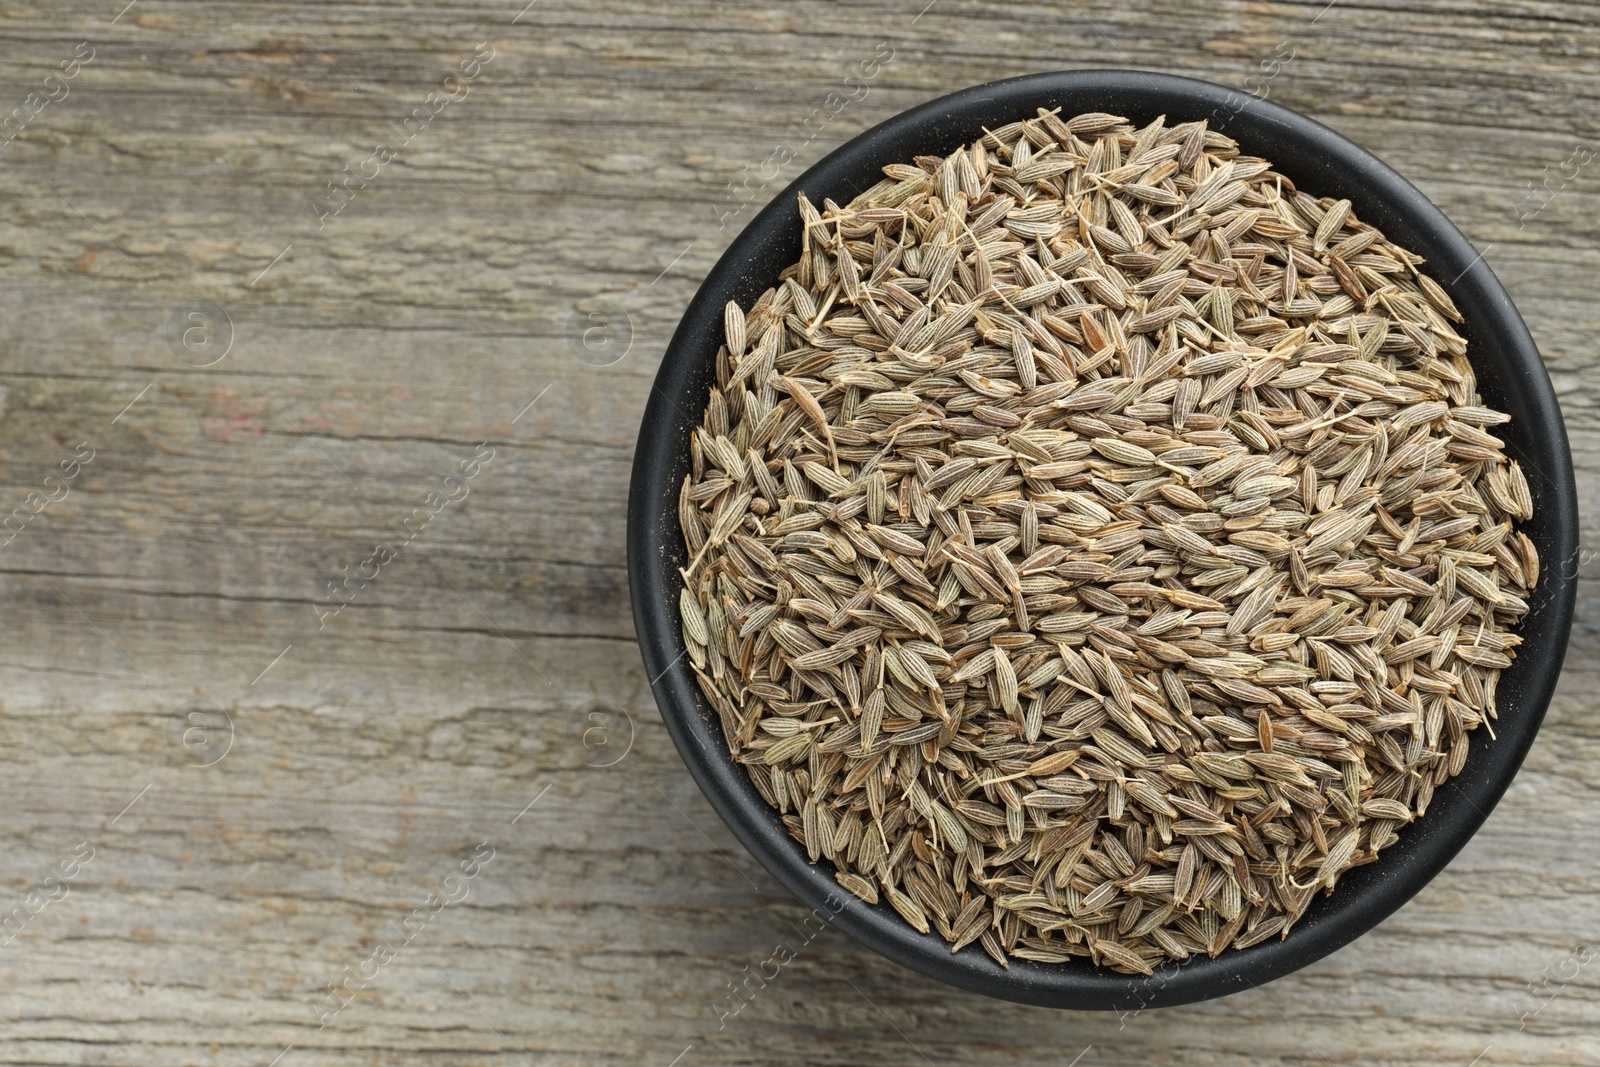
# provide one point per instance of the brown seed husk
(1098, 546)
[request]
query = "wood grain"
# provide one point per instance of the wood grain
(491, 663)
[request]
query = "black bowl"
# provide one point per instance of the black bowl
(1511, 377)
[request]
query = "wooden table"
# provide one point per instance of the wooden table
(222, 795)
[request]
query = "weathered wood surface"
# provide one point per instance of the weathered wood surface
(491, 664)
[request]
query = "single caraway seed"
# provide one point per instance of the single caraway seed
(1097, 544)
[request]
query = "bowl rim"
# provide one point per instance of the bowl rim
(1326, 164)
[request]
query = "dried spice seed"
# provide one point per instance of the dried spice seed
(1098, 545)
